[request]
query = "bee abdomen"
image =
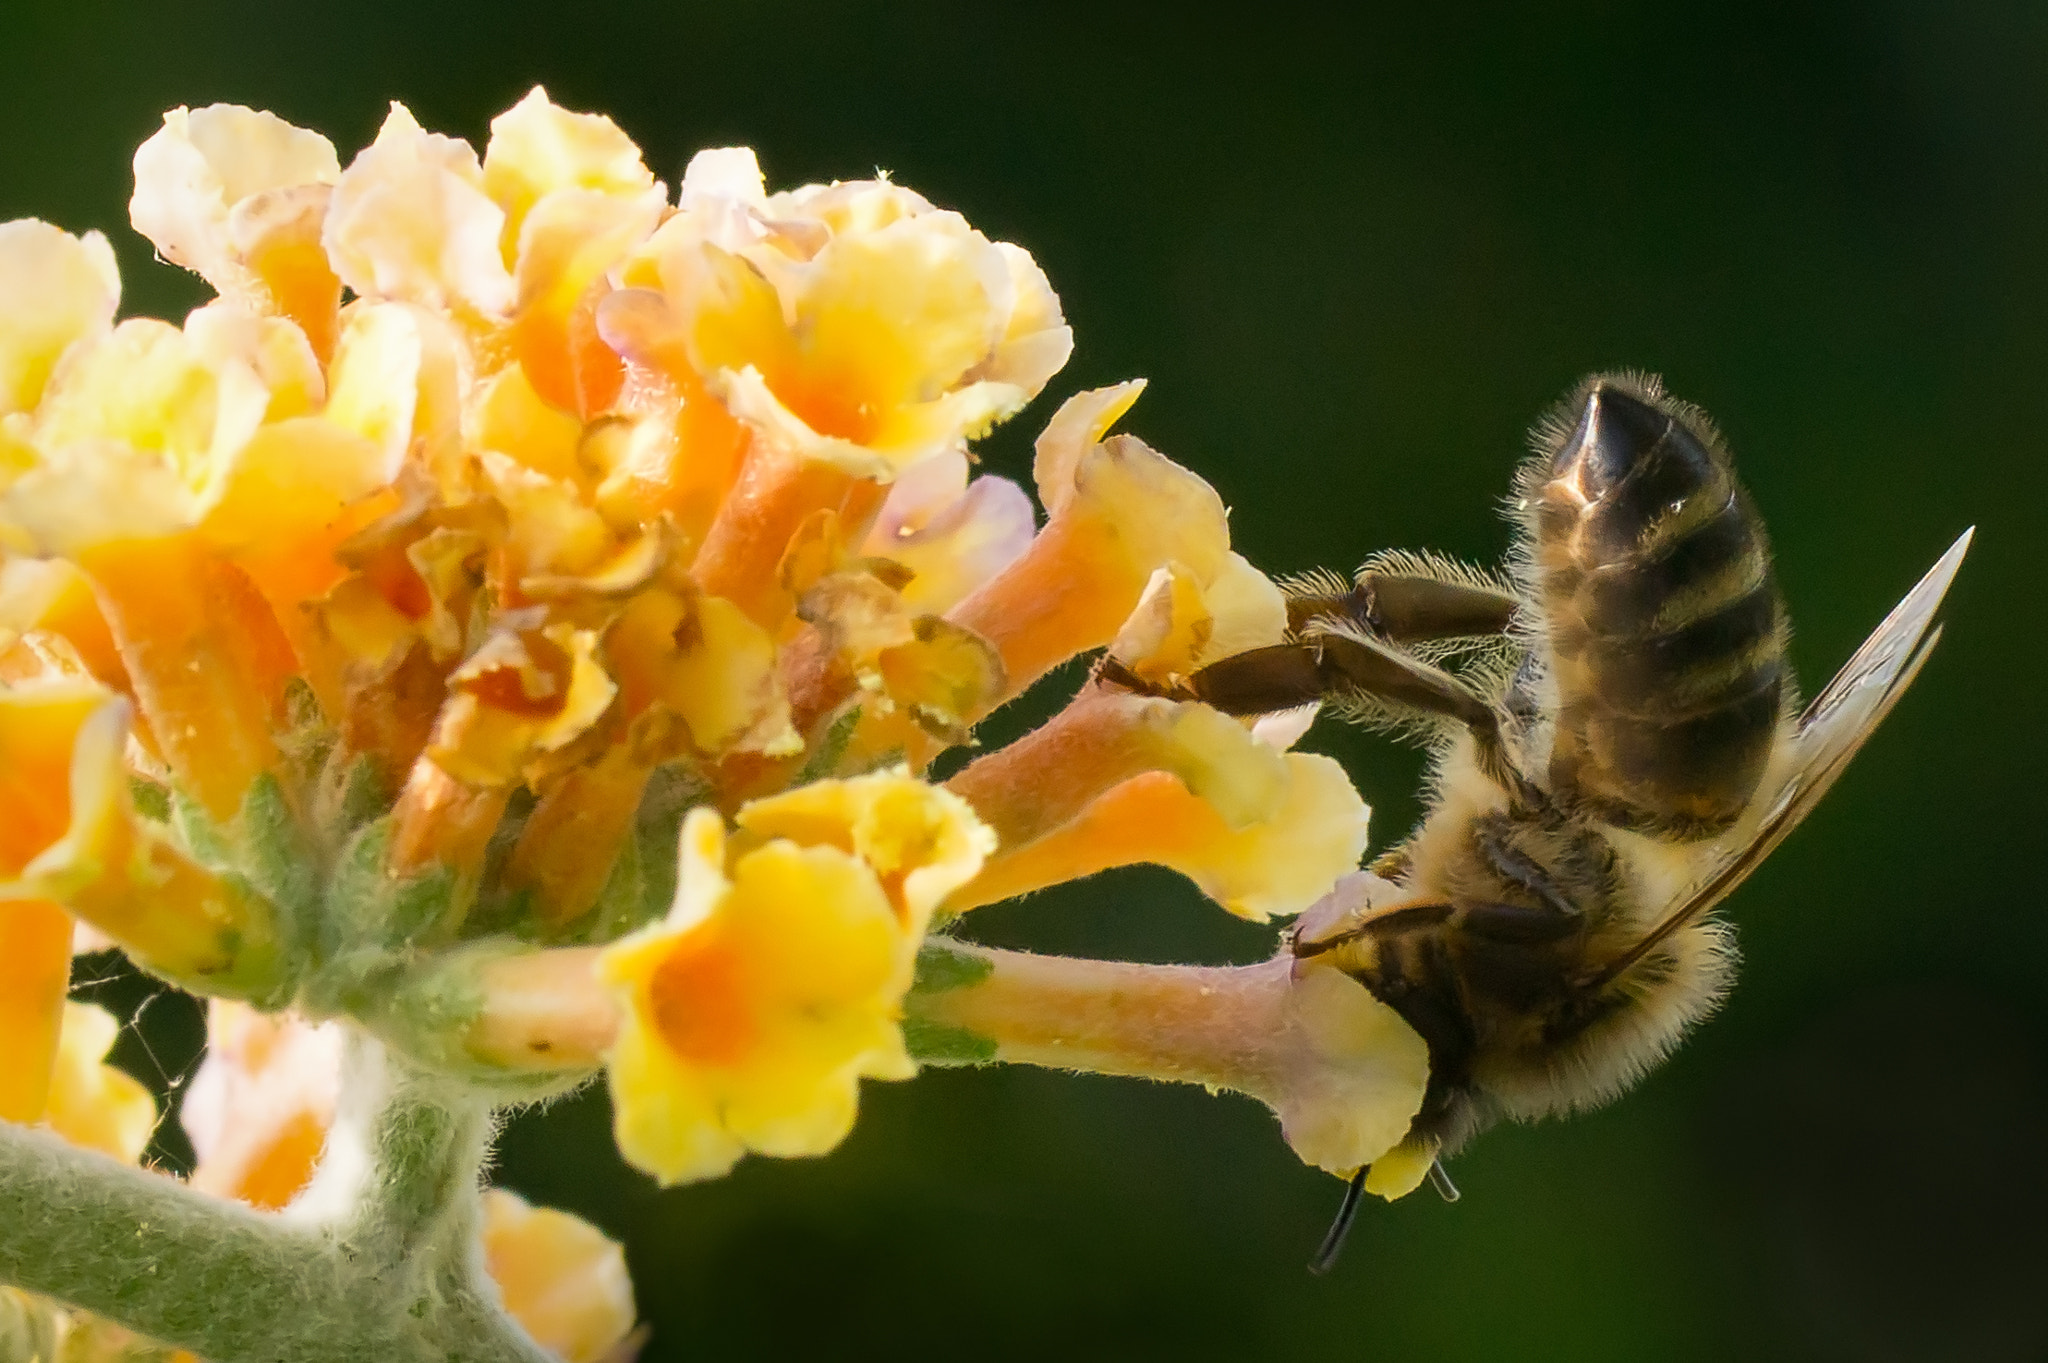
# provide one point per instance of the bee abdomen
(1666, 635)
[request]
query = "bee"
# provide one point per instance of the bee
(1617, 744)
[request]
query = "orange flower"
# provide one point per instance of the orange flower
(1119, 510)
(70, 834)
(239, 197)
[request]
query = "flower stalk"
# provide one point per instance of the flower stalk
(206, 1273)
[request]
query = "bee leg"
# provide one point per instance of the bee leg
(1340, 1229)
(1553, 918)
(1404, 607)
(1263, 681)
(1516, 925)
(1519, 868)
(1440, 1180)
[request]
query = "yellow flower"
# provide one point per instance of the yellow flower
(1118, 511)
(576, 198)
(93, 1103)
(410, 221)
(852, 324)
(35, 976)
(55, 289)
(562, 1278)
(239, 197)
(776, 982)
(423, 620)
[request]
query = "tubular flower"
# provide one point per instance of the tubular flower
(776, 982)
(1116, 779)
(851, 324)
(238, 197)
(1118, 511)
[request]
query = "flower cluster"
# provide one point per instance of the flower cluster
(517, 614)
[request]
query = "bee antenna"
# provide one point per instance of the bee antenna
(1347, 1212)
(1440, 1179)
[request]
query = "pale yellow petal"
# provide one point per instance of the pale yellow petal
(54, 289)
(410, 220)
(203, 162)
(537, 148)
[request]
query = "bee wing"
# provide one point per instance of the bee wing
(1831, 731)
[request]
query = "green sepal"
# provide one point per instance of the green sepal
(368, 909)
(935, 1043)
(151, 799)
(943, 965)
(672, 791)
(307, 738)
(825, 758)
(278, 858)
(204, 839)
(360, 795)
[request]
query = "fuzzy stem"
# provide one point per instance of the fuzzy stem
(384, 1263)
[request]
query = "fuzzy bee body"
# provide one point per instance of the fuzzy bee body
(1634, 751)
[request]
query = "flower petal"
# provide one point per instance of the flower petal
(1129, 511)
(35, 976)
(923, 841)
(92, 1103)
(560, 1277)
(259, 1107)
(538, 148)
(54, 289)
(1047, 778)
(410, 220)
(1279, 865)
(751, 1026)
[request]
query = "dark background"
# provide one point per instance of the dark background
(1356, 257)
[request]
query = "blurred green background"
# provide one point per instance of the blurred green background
(1356, 256)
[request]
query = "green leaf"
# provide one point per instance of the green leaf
(200, 834)
(368, 910)
(362, 796)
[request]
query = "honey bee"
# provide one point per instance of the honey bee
(1617, 743)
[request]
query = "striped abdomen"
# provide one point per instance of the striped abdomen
(1666, 634)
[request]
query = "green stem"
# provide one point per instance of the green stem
(380, 1260)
